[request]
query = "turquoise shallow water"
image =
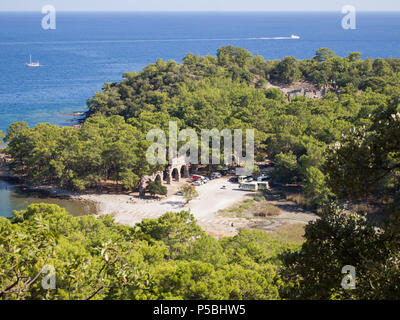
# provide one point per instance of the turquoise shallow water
(88, 49)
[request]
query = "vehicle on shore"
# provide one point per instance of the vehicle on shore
(254, 186)
(262, 185)
(263, 177)
(248, 186)
(197, 177)
(234, 180)
(215, 175)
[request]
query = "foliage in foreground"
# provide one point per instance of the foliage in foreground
(165, 258)
(337, 240)
(171, 258)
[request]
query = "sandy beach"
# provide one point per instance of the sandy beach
(130, 210)
(212, 198)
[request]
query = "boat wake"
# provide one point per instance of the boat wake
(293, 37)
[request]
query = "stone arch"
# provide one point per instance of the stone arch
(158, 176)
(166, 176)
(182, 171)
(175, 174)
(177, 169)
(185, 171)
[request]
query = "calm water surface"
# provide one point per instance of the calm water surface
(14, 198)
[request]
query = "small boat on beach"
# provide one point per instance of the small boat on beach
(32, 64)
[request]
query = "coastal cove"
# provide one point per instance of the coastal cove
(16, 197)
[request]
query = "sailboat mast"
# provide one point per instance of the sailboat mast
(32, 64)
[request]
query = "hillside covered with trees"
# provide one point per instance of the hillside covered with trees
(227, 91)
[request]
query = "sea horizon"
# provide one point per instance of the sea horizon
(90, 48)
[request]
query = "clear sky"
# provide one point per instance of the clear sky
(199, 5)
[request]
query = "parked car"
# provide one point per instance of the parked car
(263, 177)
(179, 193)
(216, 175)
(234, 180)
(196, 183)
(224, 171)
(205, 179)
(197, 177)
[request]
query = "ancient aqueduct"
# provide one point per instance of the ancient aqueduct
(179, 168)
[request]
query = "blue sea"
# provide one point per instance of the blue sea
(88, 49)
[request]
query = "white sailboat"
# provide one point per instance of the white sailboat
(294, 36)
(32, 64)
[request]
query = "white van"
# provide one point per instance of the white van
(249, 186)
